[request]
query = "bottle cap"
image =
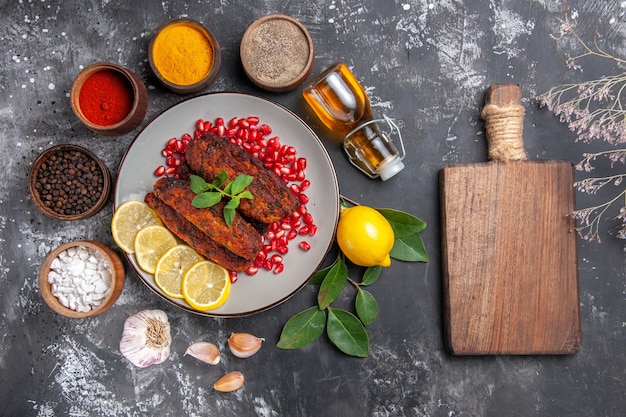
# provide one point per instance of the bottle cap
(391, 169)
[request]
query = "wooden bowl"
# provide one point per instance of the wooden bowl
(182, 52)
(277, 53)
(118, 276)
(38, 195)
(127, 84)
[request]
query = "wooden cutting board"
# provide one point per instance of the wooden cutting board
(509, 252)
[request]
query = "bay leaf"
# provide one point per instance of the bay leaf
(366, 306)
(319, 275)
(371, 274)
(302, 329)
(409, 249)
(333, 284)
(402, 223)
(347, 332)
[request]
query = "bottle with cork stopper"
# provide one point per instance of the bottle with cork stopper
(342, 105)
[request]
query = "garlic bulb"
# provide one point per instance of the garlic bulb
(204, 351)
(244, 345)
(232, 381)
(146, 338)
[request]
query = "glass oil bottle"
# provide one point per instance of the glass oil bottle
(342, 105)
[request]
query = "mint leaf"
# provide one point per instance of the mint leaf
(246, 194)
(208, 195)
(221, 178)
(206, 200)
(240, 183)
(232, 204)
(229, 215)
(197, 184)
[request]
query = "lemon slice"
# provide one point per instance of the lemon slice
(130, 218)
(170, 268)
(151, 243)
(206, 286)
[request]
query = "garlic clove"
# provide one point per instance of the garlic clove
(204, 351)
(146, 338)
(244, 345)
(232, 381)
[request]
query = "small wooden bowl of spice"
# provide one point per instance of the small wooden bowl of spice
(277, 53)
(81, 279)
(69, 182)
(109, 99)
(185, 56)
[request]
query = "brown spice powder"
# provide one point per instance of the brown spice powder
(277, 52)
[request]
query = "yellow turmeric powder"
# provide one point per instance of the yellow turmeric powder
(182, 53)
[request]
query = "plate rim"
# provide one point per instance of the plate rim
(325, 252)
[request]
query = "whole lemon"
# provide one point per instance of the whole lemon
(365, 236)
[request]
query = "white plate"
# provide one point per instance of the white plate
(250, 294)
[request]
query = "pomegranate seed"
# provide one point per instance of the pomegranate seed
(265, 129)
(313, 230)
(303, 198)
(170, 161)
(243, 123)
(219, 121)
(304, 246)
(233, 276)
(304, 230)
(305, 184)
(170, 170)
(308, 218)
(172, 143)
(233, 122)
(279, 268)
(167, 152)
(220, 130)
(253, 120)
(252, 270)
(160, 171)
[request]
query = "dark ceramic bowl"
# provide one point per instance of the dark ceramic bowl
(277, 53)
(118, 276)
(47, 204)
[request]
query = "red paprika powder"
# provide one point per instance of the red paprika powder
(106, 98)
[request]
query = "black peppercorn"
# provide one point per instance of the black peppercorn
(65, 181)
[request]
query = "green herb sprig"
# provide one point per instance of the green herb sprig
(209, 194)
(347, 331)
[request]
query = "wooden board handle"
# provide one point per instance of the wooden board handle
(504, 120)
